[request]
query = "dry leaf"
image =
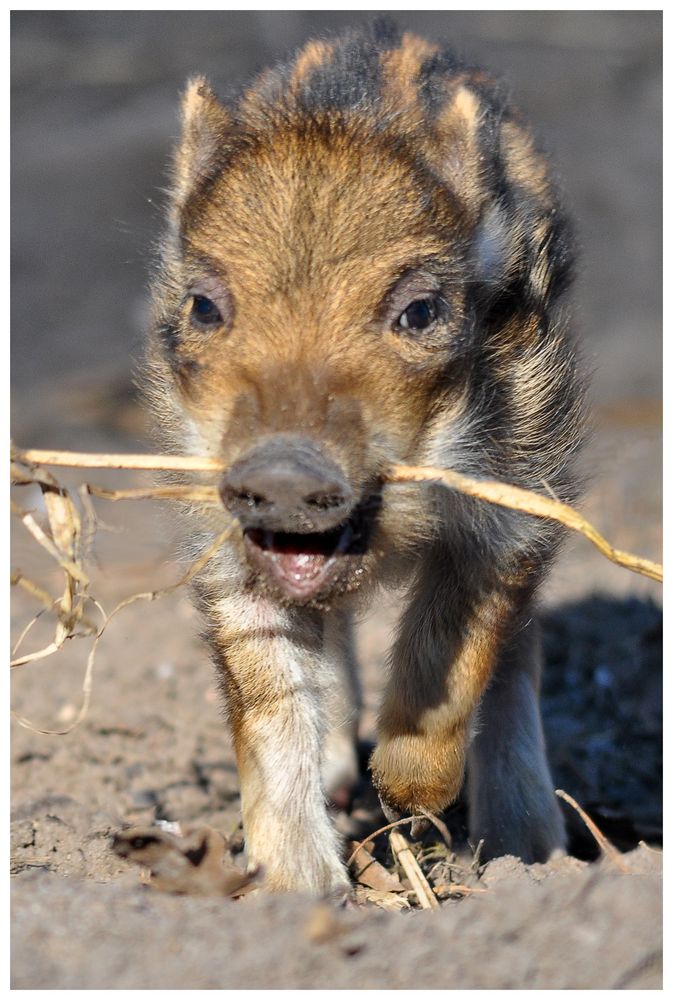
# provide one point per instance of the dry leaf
(367, 871)
(451, 890)
(384, 900)
(64, 520)
(196, 864)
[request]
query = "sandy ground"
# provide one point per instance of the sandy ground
(153, 744)
(540, 930)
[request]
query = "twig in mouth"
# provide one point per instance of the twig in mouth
(516, 498)
(502, 494)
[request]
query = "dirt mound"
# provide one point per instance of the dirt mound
(560, 926)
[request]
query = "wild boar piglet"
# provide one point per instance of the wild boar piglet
(365, 264)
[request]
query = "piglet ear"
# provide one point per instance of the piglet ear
(493, 250)
(461, 156)
(205, 126)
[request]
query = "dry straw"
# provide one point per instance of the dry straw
(70, 525)
(502, 494)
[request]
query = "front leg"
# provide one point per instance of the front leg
(513, 808)
(340, 766)
(276, 679)
(441, 663)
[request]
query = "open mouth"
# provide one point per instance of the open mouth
(304, 566)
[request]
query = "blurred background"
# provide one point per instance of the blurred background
(94, 117)
(95, 114)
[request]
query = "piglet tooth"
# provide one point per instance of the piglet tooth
(267, 540)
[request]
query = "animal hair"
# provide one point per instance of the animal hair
(366, 263)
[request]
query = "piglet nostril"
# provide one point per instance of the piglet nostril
(250, 500)
(327, 501)
(239, 500)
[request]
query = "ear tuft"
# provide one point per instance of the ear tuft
(205, 123)
(198, 94)
(458, 124)
(490, 248)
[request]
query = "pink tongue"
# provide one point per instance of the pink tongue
(300, 565)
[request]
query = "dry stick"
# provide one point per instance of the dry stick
(151, 595)
(17, 579)
(455, 887)
(420, 884)
(65, 620)
(199, 494)
(39, 535)
(381, 829)
(439, 825)
(39, 654)
(86, 689)
(89, 460)
(502, 494)
(29, 626)
(600, 837)
(528, 502)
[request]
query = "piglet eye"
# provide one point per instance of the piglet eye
(419, 315)
(204, 311)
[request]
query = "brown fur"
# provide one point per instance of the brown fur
(368, 174)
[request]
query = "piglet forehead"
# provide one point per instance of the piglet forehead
(301, 207)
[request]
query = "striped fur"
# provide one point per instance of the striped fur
(371, 171)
